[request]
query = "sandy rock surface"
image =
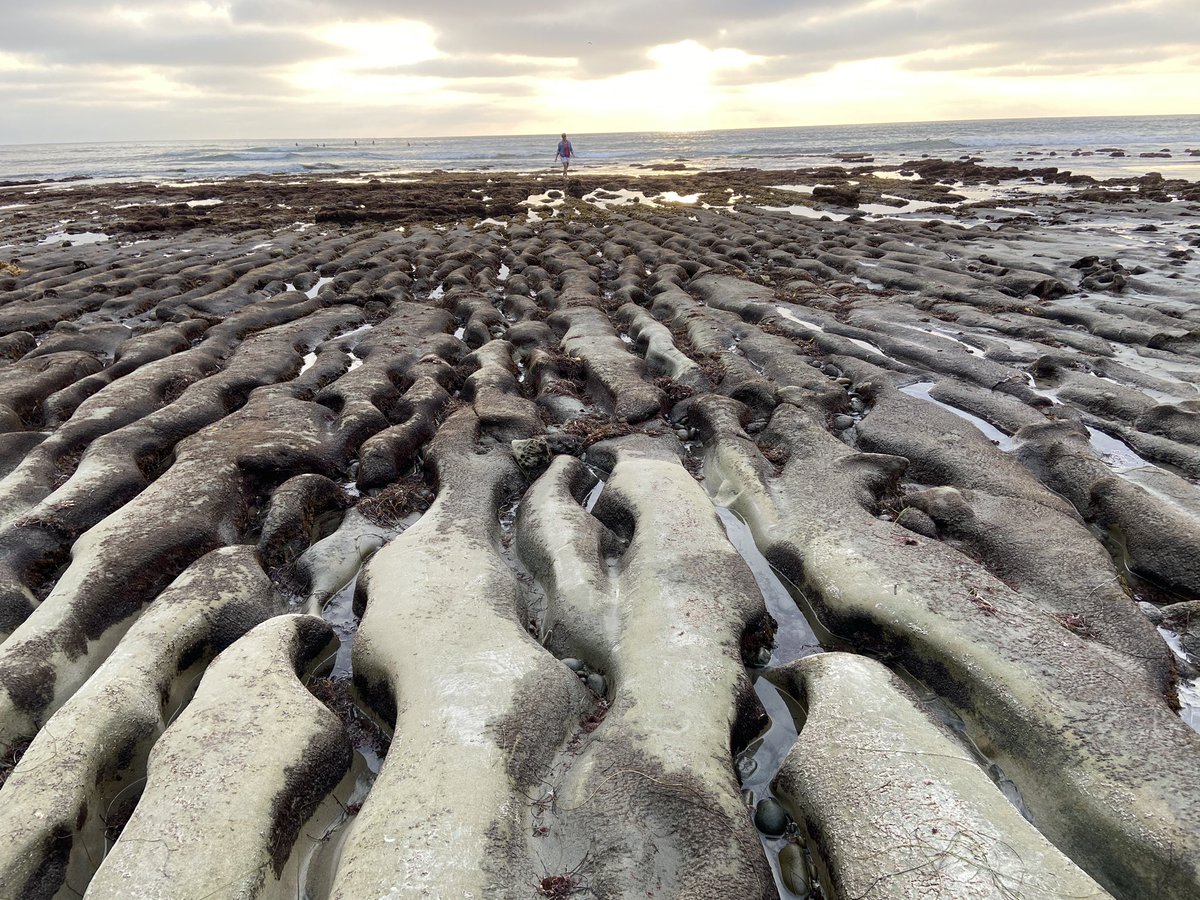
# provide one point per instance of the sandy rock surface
(403, 539)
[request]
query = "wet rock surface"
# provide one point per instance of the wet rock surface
(462, 535)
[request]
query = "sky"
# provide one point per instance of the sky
(90, 70)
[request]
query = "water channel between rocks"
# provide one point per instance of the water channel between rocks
(324, 837)
(760, 762)
(795, 638)
(1122, 460)
(757, 765)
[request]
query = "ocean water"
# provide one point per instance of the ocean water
(997, 141)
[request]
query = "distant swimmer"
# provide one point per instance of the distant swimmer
(565, 152)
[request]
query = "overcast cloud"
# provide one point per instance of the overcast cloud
(152, 69)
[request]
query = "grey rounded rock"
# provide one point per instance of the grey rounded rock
(793, 867)
(1153, 613)
(770, 818)
(841, 423)
(575, 665)
(843, 380)
(682, 433)
(915, 520)
(597, 684)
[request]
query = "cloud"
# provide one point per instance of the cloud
(203, 66)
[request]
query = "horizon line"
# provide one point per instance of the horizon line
(438, 137)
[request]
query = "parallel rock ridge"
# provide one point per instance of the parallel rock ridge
(383, 561)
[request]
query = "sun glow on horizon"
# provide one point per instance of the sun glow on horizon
(369, 63)
(677, 94)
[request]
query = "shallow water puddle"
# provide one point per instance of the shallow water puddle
(867, 283)
(1165, 370)
(339, 613)
(866, 345)
(1153, 394)
(795, 638)
(552, 198)
(921, 390)
(317, 864)
(317, 861)
(589, 502)
(761, 761)
(673, 197)
(620, 197)
(312, 292)
(1187, 688)
(1115, 453)
(361, 329)
(807, 212)
(1050, 394)
(791, 317)
(941, 333)
(81, 237)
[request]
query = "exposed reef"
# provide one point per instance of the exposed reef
(475, 535)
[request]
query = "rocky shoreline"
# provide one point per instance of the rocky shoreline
(375, 536)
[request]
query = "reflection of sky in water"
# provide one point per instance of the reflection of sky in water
(1188, 688)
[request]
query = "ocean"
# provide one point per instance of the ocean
(996, 141)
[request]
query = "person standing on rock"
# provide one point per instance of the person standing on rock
(565, 152)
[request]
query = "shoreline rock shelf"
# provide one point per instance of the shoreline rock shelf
(378, 553)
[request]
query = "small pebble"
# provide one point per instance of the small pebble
(760, 658)
(597, 683)
(746, 765)
(770, 818)
(682, 433)
(841, 423)
(575, 665)
(794, 869)
(843, 380)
